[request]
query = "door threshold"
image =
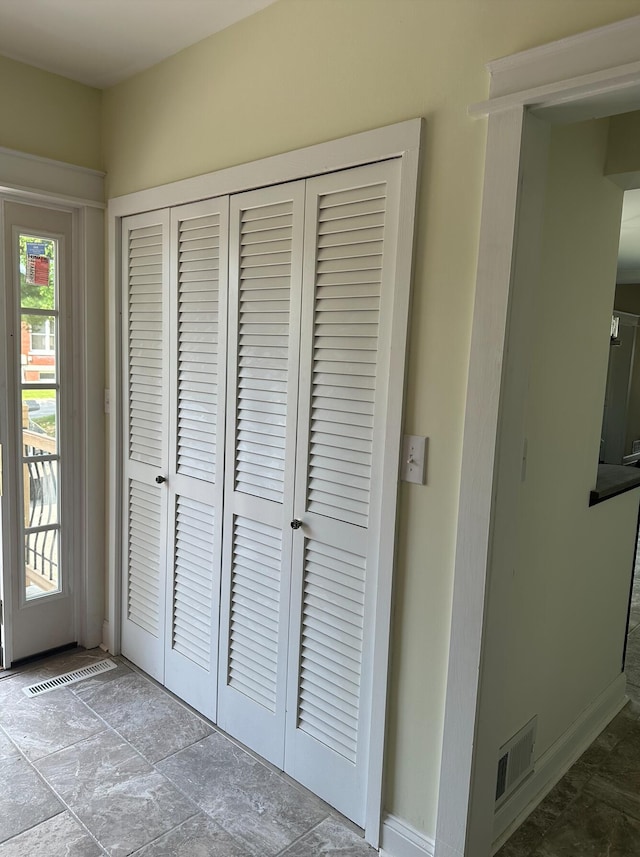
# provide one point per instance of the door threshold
(40, 655)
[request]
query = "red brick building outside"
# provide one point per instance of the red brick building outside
(37, 354)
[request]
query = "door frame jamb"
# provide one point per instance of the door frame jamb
(30, 179)
(590, 75)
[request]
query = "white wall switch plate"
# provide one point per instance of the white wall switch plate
(414, 459)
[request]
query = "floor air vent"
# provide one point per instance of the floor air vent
(69, 678)
(515, 760)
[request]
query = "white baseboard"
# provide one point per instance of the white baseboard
(400, 839)
(556, 761)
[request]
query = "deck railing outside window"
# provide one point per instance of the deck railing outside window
(40, 486)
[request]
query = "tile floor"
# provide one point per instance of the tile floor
(594, 811)
(115, 765)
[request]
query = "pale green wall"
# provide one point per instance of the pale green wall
(305, 71)
(570, 586)
(47, 115)
(623, 155)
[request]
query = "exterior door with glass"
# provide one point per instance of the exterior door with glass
(36, 402)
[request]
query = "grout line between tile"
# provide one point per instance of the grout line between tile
(216, 729)
(111, 728)
(108, 728)
(288, 847)
(166, 833)
(59, 797)
(33, 826)
(126, 740)
(135, 669)
(236, 837)
(197, 810)
(329, 812)
(9, 739)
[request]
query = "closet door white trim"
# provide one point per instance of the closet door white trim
(351, 224)
(145, 388)
(197, 361)
(265, 268)
(401, 142)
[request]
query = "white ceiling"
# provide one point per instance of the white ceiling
(629, 250)
(101, 42)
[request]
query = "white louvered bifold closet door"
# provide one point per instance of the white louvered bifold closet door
(351, 221)
(197, 362)
(145, 255)
(265, 269)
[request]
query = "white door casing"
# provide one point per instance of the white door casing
(78, 191)
(49, 621)
(590, 75)
(401, 142)
(307, 416)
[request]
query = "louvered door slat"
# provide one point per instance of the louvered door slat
(188, 542)
(265, 266)
(145, 334)
(344, 374)
(191, 600)
(143, 579)
(199, 243)
(338, 648)
(250, 608)
(143, 592)
(198, 306)
(194, 543)
(146, 298)
(361, 314)
(342, 317)
(263, 311)
(315, 697)
(142, 545)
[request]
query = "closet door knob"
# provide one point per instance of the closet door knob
(161, 479)
(296, 524)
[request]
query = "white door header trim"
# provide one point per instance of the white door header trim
(592, 51)
(572, 78)
(368, 146)
(33, 177)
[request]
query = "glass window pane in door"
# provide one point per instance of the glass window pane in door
(39, 421)
(39, 415)
(38, 263)
(42, 575)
